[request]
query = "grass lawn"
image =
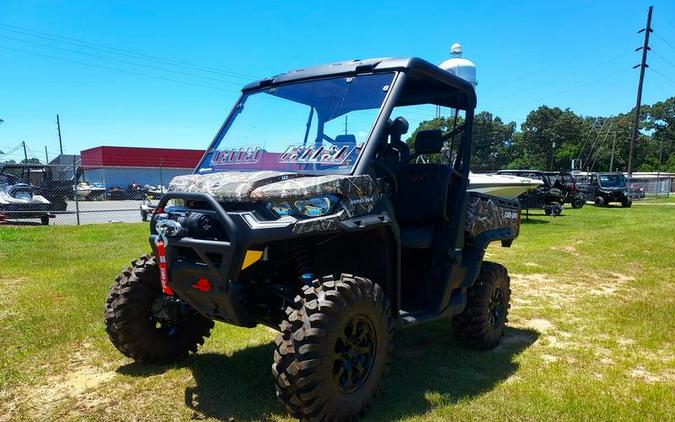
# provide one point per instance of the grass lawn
(591, 337)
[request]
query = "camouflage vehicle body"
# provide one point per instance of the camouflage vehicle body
(405, 240)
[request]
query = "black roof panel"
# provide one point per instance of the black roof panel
(427, 76)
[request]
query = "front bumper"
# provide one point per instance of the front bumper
(222, 295)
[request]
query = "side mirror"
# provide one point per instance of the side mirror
(429, 141)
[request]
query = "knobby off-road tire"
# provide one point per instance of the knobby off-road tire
(133, 329)
(600, 201)
(333, 350)
(578, 202)
(482, 322)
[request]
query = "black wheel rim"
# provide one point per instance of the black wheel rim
(354, 355)
(496, 307)
(166, 315)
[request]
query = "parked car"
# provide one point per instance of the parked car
(636, 191)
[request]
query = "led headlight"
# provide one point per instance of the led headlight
(315, 207)
(280, 208)
(310, 207)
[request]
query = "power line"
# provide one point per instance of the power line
(577, 86)
(120, 51)
(117, 70)
(662, 75)
(122, 61)
(663, 58)
(664, 40)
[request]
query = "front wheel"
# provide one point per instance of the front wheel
(333, 350)
(626, 203)
(147, 325)
(482, 322)
(600, 201)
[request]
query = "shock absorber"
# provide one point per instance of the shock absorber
(302, 261)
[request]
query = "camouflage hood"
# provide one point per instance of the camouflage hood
(273, 185)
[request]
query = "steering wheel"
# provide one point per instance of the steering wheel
(389, 174)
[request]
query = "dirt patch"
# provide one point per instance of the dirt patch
(566, 249)
(539, 324)
(642, 374)
(549, 358)
(8, 290)
(79, 381)
(609, 283)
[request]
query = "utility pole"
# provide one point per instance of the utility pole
(46, 156)
(643, 65)
(611, 160)
(25, 154)
(58, 128)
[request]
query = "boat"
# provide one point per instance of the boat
(501, 185)
(28, 191)
(83, 190)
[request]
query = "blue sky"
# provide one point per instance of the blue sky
(575, 54)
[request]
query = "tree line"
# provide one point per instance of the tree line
(550, 138)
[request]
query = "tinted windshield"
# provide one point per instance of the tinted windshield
(612, 181)
(318, 126)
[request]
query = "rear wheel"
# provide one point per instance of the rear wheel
(482, 322)
(600, 201)
(626, 203)
(147, 325)
(554, 209)
(333, 350)
(578, 201)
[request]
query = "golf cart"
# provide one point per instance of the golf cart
(603, 188)
(310, 215)
(546, 196)
(28, 191)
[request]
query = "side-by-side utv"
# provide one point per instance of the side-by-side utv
(309, 214)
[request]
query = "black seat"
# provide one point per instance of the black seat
(421, 199)
(420, 202)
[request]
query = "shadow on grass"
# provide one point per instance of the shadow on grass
(429, 368)
(19, 223)
(532, 220)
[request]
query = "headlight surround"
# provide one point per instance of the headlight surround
(316, 206)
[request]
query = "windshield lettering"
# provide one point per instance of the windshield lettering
(312, 154)
(244, 155)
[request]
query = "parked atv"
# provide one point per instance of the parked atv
(335, 239)
(547, 197)
(603, 188)
(566, 183)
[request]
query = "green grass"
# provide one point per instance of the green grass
(590, 336)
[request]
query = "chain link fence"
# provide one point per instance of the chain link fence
(74, 194)
(650, 186)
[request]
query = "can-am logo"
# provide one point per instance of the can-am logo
(243, 155)
(316, 154)
(511, 215)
